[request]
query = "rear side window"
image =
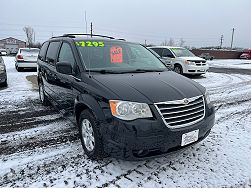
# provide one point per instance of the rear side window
(158, 51)
(51, 55)
(43, 50)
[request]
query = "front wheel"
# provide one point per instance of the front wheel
(178, 69)
(90, 136)
(5, 84)
(19, 69)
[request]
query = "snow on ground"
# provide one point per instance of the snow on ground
(230, 63)
(39, 148)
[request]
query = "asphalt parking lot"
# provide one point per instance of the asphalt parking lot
(40, 148)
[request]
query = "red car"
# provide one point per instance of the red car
(246, 54)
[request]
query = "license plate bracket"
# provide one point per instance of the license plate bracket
(189, 137)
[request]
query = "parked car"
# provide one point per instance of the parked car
(166, 62)
(246, 54)
(26, 58)
(3, 74)
(125, 102)
(185, 62)
(3, 52)
(206, 56)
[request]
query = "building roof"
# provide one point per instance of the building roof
(11, 38)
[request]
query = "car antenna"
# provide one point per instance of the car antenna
(89, 71)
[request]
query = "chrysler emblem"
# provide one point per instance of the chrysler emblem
(185, 101)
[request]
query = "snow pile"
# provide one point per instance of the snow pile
(230, 63)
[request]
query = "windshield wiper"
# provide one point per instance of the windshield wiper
(103, 71)
(148, 70)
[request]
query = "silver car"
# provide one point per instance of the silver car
(26, 58)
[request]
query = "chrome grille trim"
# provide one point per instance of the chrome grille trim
(184, 110)
(179, 106)
(200, 63)
(174, 117)
(188, 114)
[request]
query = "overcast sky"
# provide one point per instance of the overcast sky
(198, 22)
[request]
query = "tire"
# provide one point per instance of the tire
(19, 69)
(5, 84)
(178, 69)
(42, 96)
(90, 136)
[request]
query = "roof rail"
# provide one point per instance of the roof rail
(86, 34)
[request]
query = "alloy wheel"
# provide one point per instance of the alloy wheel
(88, 135)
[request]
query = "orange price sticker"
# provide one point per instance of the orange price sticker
(116, 54)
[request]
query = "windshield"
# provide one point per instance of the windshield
(182, 52)
(29, 51)
(117, 56)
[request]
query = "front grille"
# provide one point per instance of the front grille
(200, 63)
(183, 112)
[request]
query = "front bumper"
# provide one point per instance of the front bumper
(146, 138)
(194, 69)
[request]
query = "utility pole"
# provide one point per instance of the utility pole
(221, 41)
(232, 38)
(91, 29)
(145, 43)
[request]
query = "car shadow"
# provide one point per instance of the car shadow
(29, 70)
(195, 76)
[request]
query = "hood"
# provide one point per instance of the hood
(150, 87)
(195, 58)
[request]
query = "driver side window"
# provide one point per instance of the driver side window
(167, 53)
(66, 55)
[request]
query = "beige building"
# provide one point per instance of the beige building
(12, 45)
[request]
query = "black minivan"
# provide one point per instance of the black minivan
(125, 102)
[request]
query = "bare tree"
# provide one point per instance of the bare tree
(164, 43)
(182, 42)
(171, 42)
(29, 32)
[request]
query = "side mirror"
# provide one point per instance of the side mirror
(64, 68)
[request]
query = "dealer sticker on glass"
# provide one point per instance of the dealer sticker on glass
(190, 137)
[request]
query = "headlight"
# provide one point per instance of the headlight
(129, 110)
(189, 62)
(2, 68)
(207, 97)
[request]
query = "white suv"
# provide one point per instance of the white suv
(184, 61)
